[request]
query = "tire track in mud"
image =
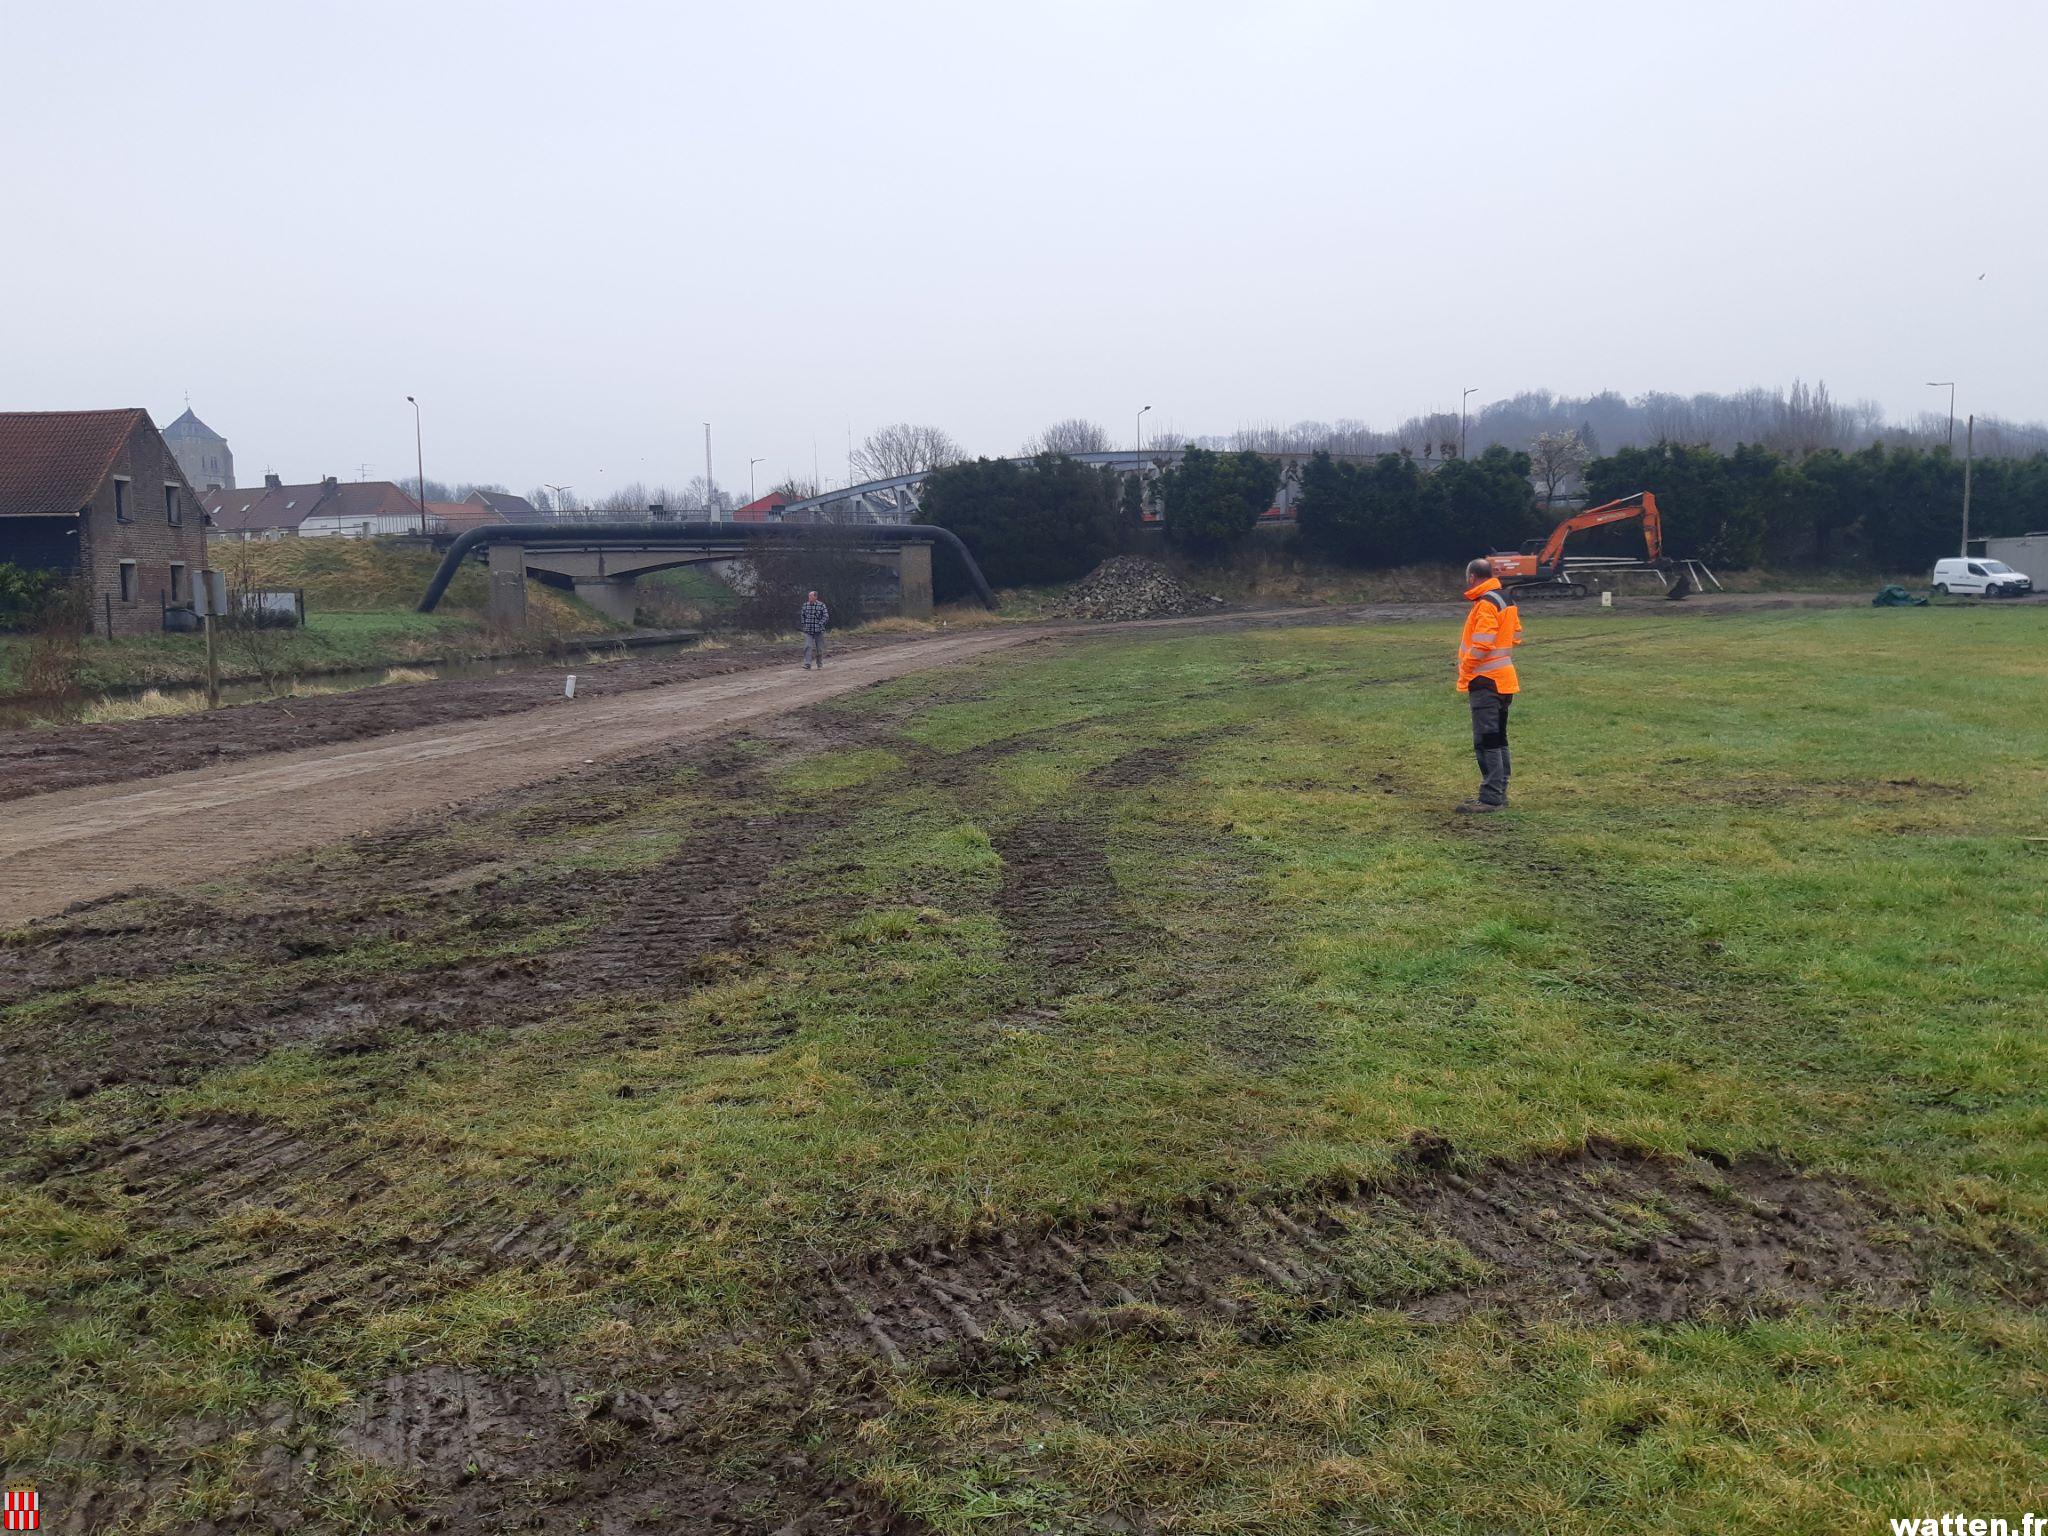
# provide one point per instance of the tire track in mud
(646, 930)
(1603, 1233)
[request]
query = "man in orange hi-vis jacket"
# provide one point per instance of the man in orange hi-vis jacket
(1486, 676)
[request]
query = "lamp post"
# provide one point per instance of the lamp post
(710, 489)
(750, 476)
(1950, 386)
(1140, 456)
(420, 459)
(1461, 418)
(1969, 453)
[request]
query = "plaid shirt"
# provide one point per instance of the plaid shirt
(813, 617)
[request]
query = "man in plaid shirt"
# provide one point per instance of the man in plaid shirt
(812, 619)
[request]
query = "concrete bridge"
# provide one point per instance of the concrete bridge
(604, 573)
(602, 562)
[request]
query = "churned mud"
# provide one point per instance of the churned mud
(320, 956)
(740, 1442)
(1602, 1233)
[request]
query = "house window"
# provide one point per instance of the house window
(178, 593)
(121, 513)
(127, 581)
(174, 512)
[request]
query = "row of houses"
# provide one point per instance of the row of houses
(102, 498)
(358, 509)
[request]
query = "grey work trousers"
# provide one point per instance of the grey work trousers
(814, 649)
(1490, 739)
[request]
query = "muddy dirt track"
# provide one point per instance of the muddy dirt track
(385, 754)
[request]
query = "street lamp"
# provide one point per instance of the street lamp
(750, 476)
(1950, 386)
(420, 458)
(1461, 418)
(1140, 456)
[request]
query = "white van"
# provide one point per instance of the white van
(1980, 578)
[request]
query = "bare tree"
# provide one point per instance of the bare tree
(1074, 435)
(632, 497)
(796, 488)
(903, 449)
(1558, 458)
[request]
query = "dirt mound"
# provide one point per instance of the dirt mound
(1126, 587)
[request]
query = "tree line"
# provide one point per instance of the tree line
(1052, 518)
(1897, 508)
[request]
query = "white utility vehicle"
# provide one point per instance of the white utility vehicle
(1980, 578)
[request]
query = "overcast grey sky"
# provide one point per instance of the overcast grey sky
(577, 231)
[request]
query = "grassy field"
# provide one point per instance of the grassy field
(1065, 972)
(359, 613)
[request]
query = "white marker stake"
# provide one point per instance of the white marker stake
(569, 686)
(1606, 599)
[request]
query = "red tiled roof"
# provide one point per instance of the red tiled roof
(54, 461)
(757, 511)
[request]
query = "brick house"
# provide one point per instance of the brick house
(99, 496)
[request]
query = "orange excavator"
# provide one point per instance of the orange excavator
(1539, 568)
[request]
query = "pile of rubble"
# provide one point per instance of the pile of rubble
(1130, 587)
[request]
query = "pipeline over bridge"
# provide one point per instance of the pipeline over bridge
(601, 562)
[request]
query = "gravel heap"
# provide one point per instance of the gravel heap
(1131, 587)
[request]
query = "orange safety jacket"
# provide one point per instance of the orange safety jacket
(1493, 628)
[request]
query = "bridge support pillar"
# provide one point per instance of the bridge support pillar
(914, 579)
(612, 596)
(506, 608)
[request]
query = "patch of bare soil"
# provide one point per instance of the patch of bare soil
(34, 762)
(1604, 1233)
(1059, 897)
(554, 1452)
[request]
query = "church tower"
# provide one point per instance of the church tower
(201, 452)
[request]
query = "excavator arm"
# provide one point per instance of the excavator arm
(1643, 504)
(1546, 565)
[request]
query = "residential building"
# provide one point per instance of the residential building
(326, 508)
(100, 496)
(765, 509)
(510, 508)
(201, 452)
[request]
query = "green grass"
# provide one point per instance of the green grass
(1767, 887)
(359, 594)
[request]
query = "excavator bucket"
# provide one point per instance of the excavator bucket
(1681, 587)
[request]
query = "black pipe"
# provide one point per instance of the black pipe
(699, 533)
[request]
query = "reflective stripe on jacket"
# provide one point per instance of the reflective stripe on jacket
(1493, 628)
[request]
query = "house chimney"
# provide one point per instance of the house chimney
(271, 482)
